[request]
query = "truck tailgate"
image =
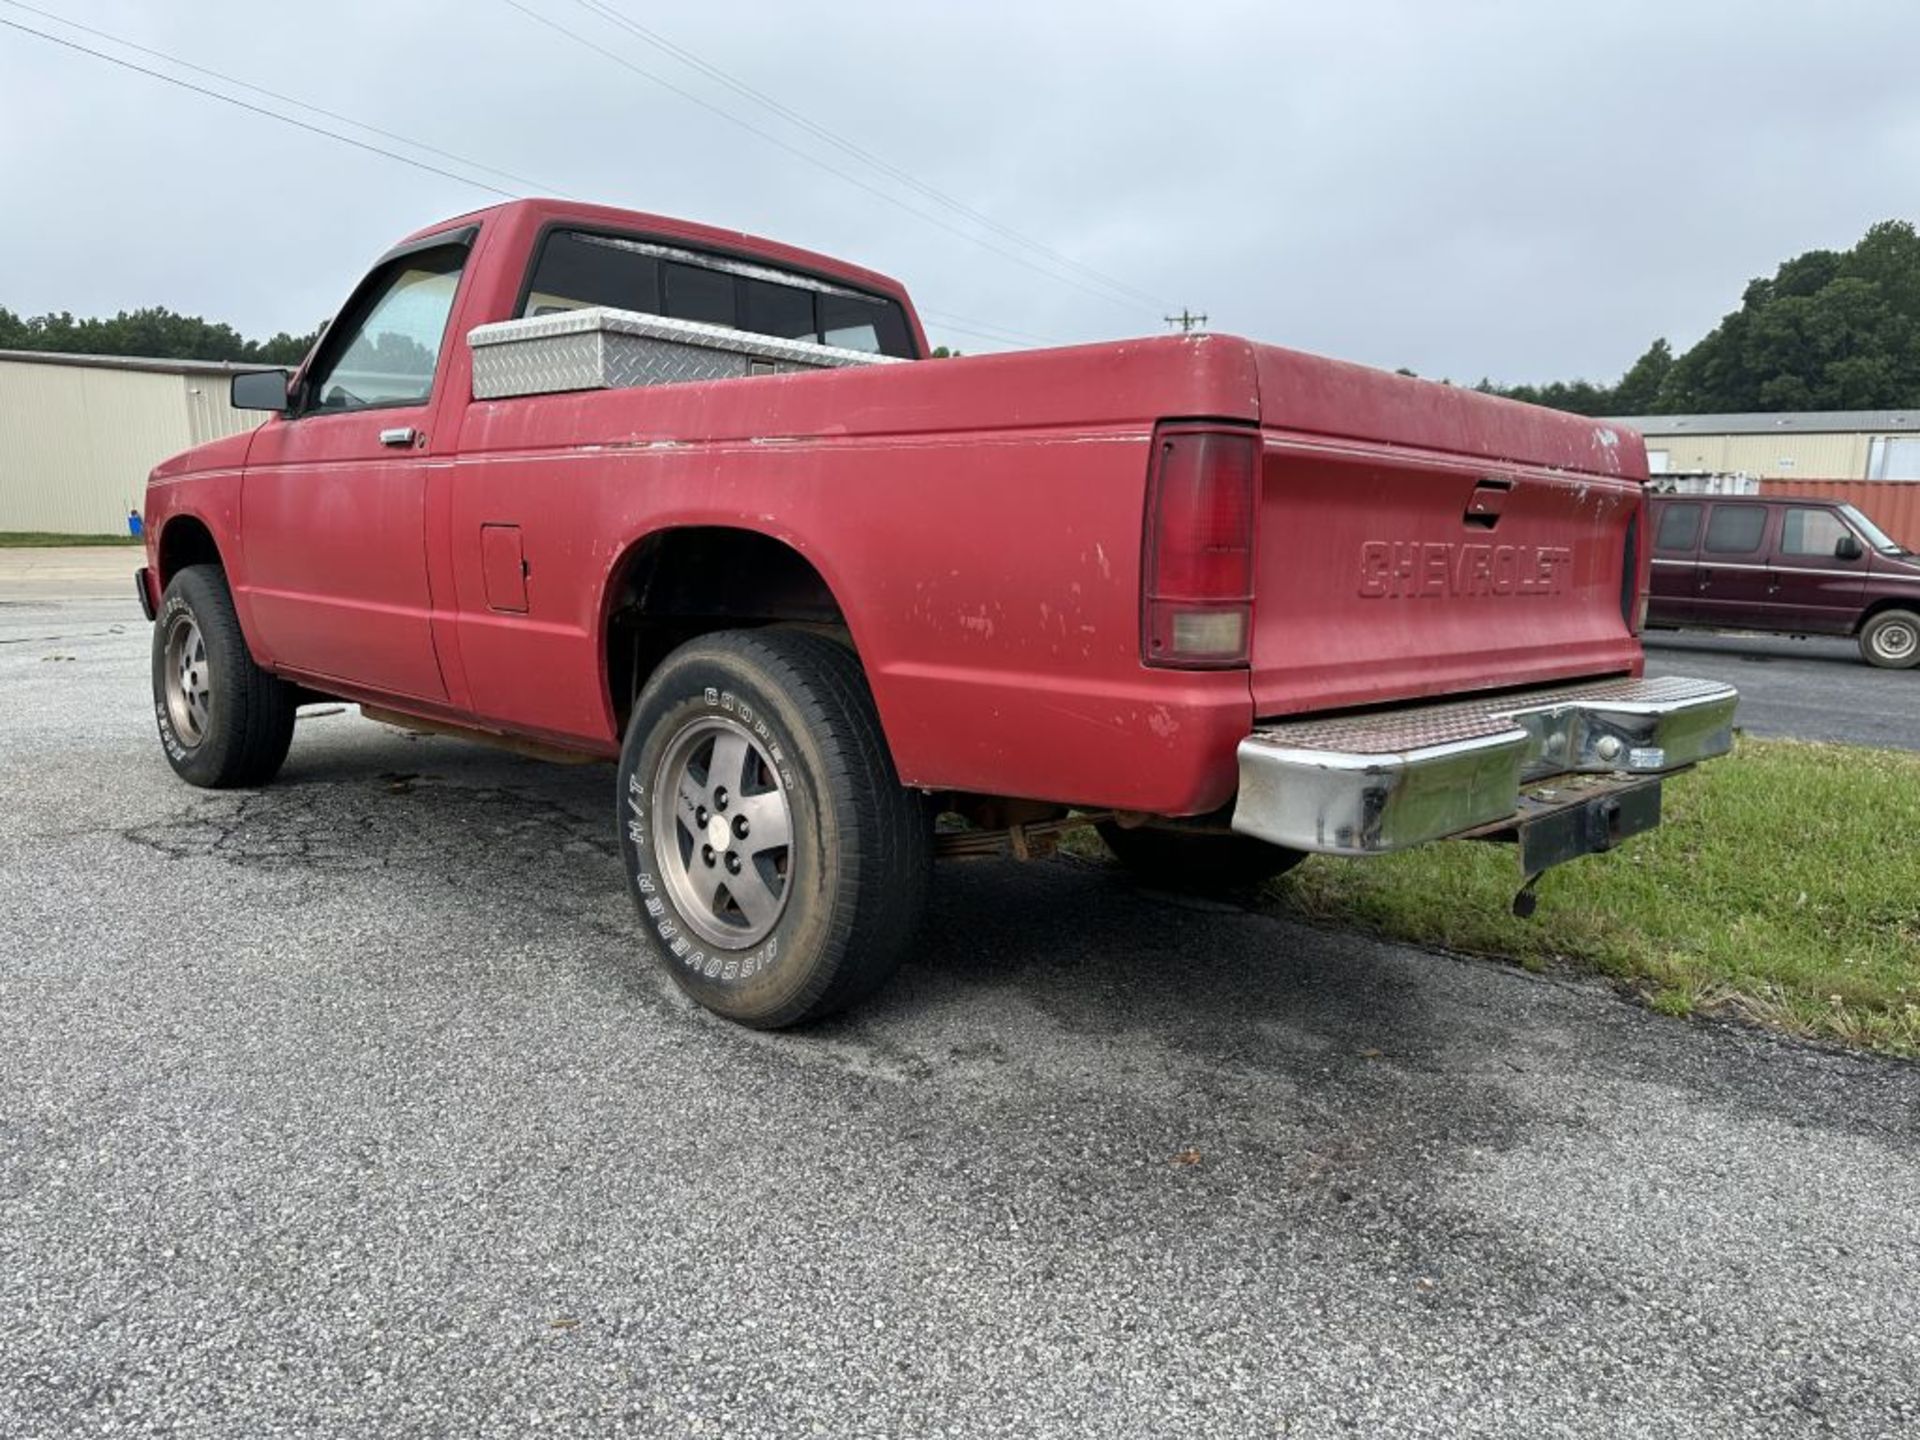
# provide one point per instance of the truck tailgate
(1419, 539)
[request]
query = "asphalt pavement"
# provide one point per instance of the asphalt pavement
(1814, 688)
(344, 1108)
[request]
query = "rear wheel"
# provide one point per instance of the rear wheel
(780, 867)
(1196, 861)
(1891, 640)
(223, 720)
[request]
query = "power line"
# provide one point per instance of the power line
(276, 95)
(259, 109)
(982, 329)
(608, 12)
(808, 156)
(947, 325)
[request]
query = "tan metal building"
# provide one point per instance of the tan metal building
(78, 433)
(1791, 445)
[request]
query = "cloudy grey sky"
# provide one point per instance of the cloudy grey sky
(1527, 190)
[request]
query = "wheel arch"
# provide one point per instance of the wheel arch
(185, 539)
(680, 581)
(1910, 604)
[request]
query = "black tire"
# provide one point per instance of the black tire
(847, 890)
(1891, 640)
(1197, 862)
(238, 731)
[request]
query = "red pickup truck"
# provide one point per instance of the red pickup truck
(603, 484)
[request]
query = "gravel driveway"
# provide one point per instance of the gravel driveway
(341, 1109)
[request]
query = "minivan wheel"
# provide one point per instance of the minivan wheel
(780, 867)
(1891, 640)
(223, 720)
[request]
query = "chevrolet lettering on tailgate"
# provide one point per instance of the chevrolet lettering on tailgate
(1391, 569)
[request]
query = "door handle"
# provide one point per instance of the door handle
(399, 435)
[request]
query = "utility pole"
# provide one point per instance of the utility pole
(1187, 321)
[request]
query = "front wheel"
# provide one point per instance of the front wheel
(1891, 640)
(1197, 862)
(223, 720)
(780, 867)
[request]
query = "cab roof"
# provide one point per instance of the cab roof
(537, 213)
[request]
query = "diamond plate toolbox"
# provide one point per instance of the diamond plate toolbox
(602, 349)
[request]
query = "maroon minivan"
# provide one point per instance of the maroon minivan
(1800, 567)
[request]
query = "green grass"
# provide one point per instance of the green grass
(46, 539)
(1783, 886)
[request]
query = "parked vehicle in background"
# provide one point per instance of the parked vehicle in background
(1791, 566)
(610, 485)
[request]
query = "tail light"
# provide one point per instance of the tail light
(1197, 579)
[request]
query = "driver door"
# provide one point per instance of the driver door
(334, 496)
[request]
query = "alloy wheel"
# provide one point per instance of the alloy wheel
(723, 833)
(189, 680)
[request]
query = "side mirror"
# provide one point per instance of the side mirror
(1847, 547)
(261, 390)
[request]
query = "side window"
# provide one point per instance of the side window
(1736, 529)
(1679, 528)
(1811, 532)
(388, 355)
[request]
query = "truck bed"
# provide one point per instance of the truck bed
(981, 522)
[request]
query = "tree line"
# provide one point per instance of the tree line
(1831, 330)
(156, 333)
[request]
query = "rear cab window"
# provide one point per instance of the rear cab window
(574, 271)
(576, 268)
(693, 292)
(1736, 529)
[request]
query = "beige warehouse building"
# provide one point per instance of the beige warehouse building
(78, 433)
(1791, 445)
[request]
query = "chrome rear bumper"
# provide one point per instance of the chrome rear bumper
(1389, 779)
